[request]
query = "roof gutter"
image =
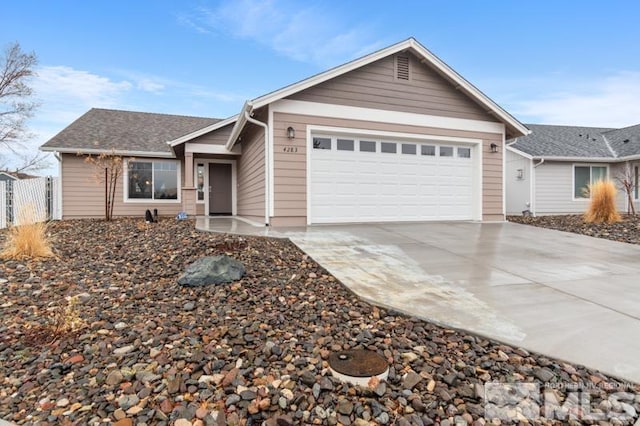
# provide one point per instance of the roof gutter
(252, 120)
(578, 159)
(125, 153)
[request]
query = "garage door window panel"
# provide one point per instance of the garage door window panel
(367, 146)
(388, 147)
(446, 151)
(345, 144)
(409, 148)
(464, 152)
(321, 143)
(429, 150)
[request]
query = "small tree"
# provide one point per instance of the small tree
(627, 180)
(16, 107)
(107, 170)
(16, 69)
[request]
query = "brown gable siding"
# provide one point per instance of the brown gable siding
(83, 196)
(290, 169)
(216, 137)
(375, 86)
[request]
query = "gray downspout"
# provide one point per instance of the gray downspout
(266, 163)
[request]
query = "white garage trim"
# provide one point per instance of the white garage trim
(382, 136)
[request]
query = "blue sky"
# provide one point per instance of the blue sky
(556, 62)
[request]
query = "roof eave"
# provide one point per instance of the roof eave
(200, 132)
(577, 159)
(124, 153)
(241, 120)
(517, 151)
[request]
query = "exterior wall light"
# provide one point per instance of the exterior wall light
(291, 132)
(494, 147)
(520, 174)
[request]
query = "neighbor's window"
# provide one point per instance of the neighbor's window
(635, 181)
(464, 152)
(345, 144)
(321, 143)
(367, 146)
(388, 147)
(428, 150)
(200, 181)
(446, 151)
(152, 180)
(583, 176)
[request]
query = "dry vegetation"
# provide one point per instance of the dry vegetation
(28, 239)
(602, 208)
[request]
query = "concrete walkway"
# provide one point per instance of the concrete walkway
(568, 296)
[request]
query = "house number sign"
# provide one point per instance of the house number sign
(290, 148)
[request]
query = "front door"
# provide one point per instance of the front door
(220, 202)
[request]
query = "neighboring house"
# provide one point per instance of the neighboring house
(396, 135)
(547, 172)
(6, 176)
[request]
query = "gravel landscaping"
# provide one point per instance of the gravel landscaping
(626, 231)
(145, 350)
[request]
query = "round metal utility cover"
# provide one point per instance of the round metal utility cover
(358, 366)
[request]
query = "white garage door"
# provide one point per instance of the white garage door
(372, 180)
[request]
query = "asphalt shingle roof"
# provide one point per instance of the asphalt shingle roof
(564, 141)
(107, 129)
(625, 141)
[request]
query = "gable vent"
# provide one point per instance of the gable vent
(402, 67)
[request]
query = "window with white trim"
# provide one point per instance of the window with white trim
(200, 181)
(584, 176)
(154, 180)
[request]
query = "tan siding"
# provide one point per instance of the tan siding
(251, 174)
(375, 86)
(217, 137)
(290, 168)
(83, 195)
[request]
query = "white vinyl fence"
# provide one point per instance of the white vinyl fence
(38, 197)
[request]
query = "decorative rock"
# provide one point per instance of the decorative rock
(411, 379)
(124, 350)
(544, 374)
(344, 407)
(127, 401)
(114, 378)
(212, 270)
(62, 402)
(182, 422)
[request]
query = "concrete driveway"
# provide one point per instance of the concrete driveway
(568, 296)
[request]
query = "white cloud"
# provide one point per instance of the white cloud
(61, 83)
(613, 101)
(306, 33)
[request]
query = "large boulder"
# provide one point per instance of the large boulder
(212, 270)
